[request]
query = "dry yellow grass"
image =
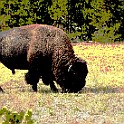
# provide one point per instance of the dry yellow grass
(100, 102)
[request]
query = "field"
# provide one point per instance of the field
(101, 101)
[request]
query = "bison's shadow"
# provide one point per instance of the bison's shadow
(105, 90)
(23, 87)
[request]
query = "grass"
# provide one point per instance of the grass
(101, 101)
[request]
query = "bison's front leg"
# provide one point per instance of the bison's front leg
(53, 87)
(32, 78)
(47, 79)
(34, 87)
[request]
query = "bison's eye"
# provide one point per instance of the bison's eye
(74, 73)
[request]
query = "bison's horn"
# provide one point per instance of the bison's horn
(69, 68)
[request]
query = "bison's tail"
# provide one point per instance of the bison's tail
(13, 71)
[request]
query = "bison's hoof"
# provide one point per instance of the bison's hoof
(34, 87)
(55, 90)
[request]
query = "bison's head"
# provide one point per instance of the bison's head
(76, 76)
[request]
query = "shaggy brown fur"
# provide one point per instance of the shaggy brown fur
(45, 51)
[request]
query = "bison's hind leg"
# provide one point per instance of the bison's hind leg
(33, 79)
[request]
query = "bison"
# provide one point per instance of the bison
(46, 52)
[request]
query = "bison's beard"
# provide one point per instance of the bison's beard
(73, 83)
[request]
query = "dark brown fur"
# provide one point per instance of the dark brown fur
(45, 51)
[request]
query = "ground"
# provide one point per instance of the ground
(101, 101)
